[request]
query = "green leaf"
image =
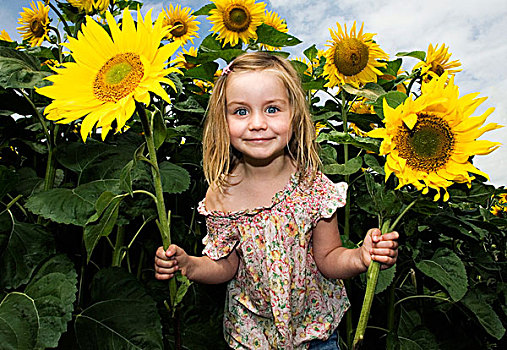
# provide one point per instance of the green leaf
(183, 284)
(393, 98)
(373, 163)
(190, 105)
(371, 91)
(159, 130)
(19, 70)
(350, 167)
(421, 55)
(311, 52)
(487, 317)
(175, 179)
(392, 67)
(205, 10)
(126, 178)
(446, 268)
(385, 278)
(28, 245)
(270, 36)
(108, 207)
(8, 180)
(19, 322)
(53, 289)
(205, 71)
(122, 316)
(299, 66)
(365, 143)
(317, 84)
(70, 206)
(211, 49)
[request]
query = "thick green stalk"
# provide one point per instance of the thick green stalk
(118, 246)
(163, 215)
(371, 284)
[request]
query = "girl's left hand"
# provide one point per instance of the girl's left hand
(380, 248)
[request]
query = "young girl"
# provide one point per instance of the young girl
(271, 215)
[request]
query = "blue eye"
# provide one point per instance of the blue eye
(272, 109)
(241, 111)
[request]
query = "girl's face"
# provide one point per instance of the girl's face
(258, 114)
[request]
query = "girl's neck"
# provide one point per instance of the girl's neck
(253, 170)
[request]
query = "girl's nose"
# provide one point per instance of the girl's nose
(257, 121)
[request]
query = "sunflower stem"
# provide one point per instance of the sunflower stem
(371, 284)
(64, 22)
(163, 216)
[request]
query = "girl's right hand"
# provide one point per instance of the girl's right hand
(169, 261)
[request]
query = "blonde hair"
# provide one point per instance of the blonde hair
(219, 159)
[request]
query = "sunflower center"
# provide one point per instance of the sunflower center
(237, 18)
(437, 69)
(351, 56)
(428, 146)
(118, 77)
(37, 28)
(180, 29)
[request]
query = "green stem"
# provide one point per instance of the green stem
(118, 246)
(346, 228)
(64, 22)
(390, 318)
(163, 216)
(371, 277)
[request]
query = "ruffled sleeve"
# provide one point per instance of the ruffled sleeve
(326, 197)
(222, 234)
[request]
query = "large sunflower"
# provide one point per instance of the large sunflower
(429, 141)
(437, 62)
(181, 24)
(34, 23)
(273, 20)
(236, 19)
(352, 58)
(110, 74)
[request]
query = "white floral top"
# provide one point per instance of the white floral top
(278, 298)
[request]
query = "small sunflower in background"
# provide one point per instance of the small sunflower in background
(181, 61)
(91, 6)
(499, 206)
(5, 36)
(235, 20)
(272, 19)
(352, 58)
(437, 62)
(110, 73)
(428, 141)
(34, 23)
(181, 23)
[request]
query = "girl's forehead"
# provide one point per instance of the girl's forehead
(254, 79)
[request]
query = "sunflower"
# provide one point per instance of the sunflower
(90, 6)
(34, 23)
(236, 19)
(429, 141)
(181, 24)
(5, 36)
(437, 62)
(352, 58)
(181, 61)
(273, 20)
(110, 73)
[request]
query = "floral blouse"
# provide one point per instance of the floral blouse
(278, 297)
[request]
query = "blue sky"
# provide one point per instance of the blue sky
(474, 30)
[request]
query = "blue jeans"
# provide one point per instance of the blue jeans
(330, 344)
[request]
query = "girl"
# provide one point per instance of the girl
(271, 215)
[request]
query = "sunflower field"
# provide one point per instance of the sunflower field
(101, 116)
